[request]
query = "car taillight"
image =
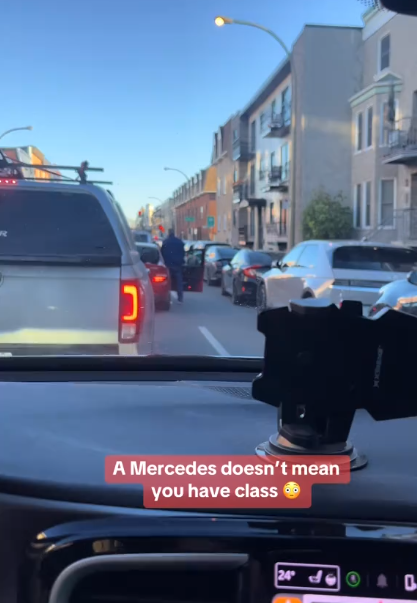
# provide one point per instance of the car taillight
(7, 181)
(159, 278)
(250, 272)
(130, 312)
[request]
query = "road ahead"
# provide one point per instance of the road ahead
(208, 323)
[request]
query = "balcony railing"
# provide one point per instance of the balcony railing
(242, 150)
(401, 140)
(278, 178)
(399, 226)
(279, 125)
(277, 229)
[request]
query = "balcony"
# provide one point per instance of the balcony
(279, 125)
(242, 150)
(402, 142)
(277, 230)
(278, 179)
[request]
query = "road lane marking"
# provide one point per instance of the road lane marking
(213, 341)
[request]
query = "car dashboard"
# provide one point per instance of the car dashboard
(66, 536)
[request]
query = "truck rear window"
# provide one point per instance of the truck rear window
(384, 259)
(51, 223)
(148, 255)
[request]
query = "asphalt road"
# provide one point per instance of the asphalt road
(208, 323)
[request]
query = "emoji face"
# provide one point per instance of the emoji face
(291, 490)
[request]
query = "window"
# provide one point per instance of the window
(367, 205)
(369, 125)
(285, 161)
(290, 260)
(225, 222)
(384, 52)
(387, 122)
(309, 257)
(286, 106)
(224, 185)
(257, 258)
(148, 255)
(253, 136)
(387, 203)
(56, 224)
(235, 175)
(262, 168)
(235, 135)
(262, 122)
(369, 257)
(357, 211)
(201, 211)
(273, 108)
(252, 222)
(273, 160)
(271, 213)
(252, 179)
(218, 186)
(359, 131)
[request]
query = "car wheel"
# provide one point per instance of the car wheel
(235, 296)
(261, 299)
(165, 306)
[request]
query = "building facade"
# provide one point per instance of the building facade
(222, 158)
(384, 132)
(195, 207)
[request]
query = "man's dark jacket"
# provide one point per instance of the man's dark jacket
(173, 251)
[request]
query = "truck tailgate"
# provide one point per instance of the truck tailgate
(56, 305)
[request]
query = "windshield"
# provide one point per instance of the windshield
(215, 152)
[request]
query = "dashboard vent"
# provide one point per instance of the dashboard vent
(204, 578)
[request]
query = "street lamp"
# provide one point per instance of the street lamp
(156, 199)
(220, 21)
(15, 130)
(176, 170)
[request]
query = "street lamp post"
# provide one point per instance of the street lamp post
(15, 130)
(220, 21)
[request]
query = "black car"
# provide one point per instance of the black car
(214, 259)
(239, 277)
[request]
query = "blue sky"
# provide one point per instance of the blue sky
(134, 85)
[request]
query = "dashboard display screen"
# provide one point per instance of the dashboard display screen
(327, 583)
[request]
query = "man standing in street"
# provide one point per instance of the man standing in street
(173, 253)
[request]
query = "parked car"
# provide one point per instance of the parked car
(205, 244)
(142, 236)
(400, 295)
(336, 270)
(240, 276)
(71, 279)
(151, 256)
(215, 258)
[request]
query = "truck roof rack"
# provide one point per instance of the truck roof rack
(15, 169)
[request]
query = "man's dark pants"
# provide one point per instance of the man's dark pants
(176, 275)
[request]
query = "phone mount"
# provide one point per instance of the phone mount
(322, 364)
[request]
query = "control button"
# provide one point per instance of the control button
(330, 579)
(353, 579)
(316, 578)
(279, 599)
(382, 581)
(410, 583)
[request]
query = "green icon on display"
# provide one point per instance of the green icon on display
(353, 579)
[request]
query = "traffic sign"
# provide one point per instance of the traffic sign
(189, 219)
(210, 221)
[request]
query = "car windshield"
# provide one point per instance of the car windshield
(218, 147)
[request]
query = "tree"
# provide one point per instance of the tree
(327, 217)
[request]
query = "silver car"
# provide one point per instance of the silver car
(71, 280)
(336, 270)
(401, 295)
